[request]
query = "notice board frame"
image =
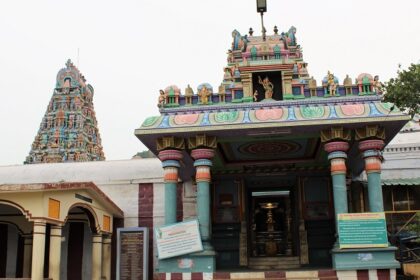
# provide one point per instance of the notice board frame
(126, 230)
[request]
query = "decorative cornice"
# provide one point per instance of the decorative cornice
(262, 105)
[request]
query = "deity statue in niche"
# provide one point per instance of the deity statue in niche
(204, 95)
(268, 87)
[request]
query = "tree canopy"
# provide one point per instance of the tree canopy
(404, 90)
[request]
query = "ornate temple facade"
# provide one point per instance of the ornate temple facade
(69, 130)
(273, 155)
(267, 162)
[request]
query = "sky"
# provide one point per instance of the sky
(128, 50)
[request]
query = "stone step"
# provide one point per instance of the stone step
(270, 263)
(288, 260)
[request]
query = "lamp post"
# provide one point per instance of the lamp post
(262, 8)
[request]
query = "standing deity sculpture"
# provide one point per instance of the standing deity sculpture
(291, 35)
(204, 95)
(227, 77)
(377, 85)
(162, 99)
(222, 89)
(331, 84)
(189, 91)
(268, 87)
(255, 95)
(239, 42)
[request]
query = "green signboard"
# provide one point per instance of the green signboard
(362, 230)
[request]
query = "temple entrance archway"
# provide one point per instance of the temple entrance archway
(272, 228)
(78, 232)
(15, 241)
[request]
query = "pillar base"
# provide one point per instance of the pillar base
(204, 261)
(369, 258)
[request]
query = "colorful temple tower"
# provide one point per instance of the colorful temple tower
(68, 131)
(275, 158)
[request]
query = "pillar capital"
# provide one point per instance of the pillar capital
(202, 164)
(371, 144)
(372, 154)
(198, 154)
(336, 146)
(166, 155)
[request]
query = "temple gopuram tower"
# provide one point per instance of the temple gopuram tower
(68, 131)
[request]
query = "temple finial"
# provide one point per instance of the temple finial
(69, 63)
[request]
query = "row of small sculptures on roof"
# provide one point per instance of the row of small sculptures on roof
(171, 94)
(365, 82)
(204, 91)
(240, 42)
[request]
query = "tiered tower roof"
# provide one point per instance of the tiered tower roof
(68, 131)
(267, 69)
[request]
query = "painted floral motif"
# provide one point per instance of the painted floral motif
(269, 114)
(312, 112)
(388, 106)
(226, 116)
(150, 121)
(186, 119)
(353, 109)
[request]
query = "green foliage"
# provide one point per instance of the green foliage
(414, 226)
(404, 90)
(144, 154)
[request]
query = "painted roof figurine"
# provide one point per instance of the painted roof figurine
(68, 131)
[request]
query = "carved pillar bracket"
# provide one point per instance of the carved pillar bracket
(202, 141)
(370, 132)
(202, 164)
(170, 163)
(170, 142)
(335, 134)
(372, 153)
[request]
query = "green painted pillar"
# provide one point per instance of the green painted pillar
(337, 156)
(372, 154)
(170, 163)
(202, 164)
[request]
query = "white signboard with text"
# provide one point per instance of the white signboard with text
(178, 239)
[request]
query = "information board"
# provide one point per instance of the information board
(362, 230)
(178, 239)
(132, 253)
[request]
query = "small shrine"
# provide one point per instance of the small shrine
(274, 156)
(68, 131)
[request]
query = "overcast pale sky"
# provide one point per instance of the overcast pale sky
(131, 49)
